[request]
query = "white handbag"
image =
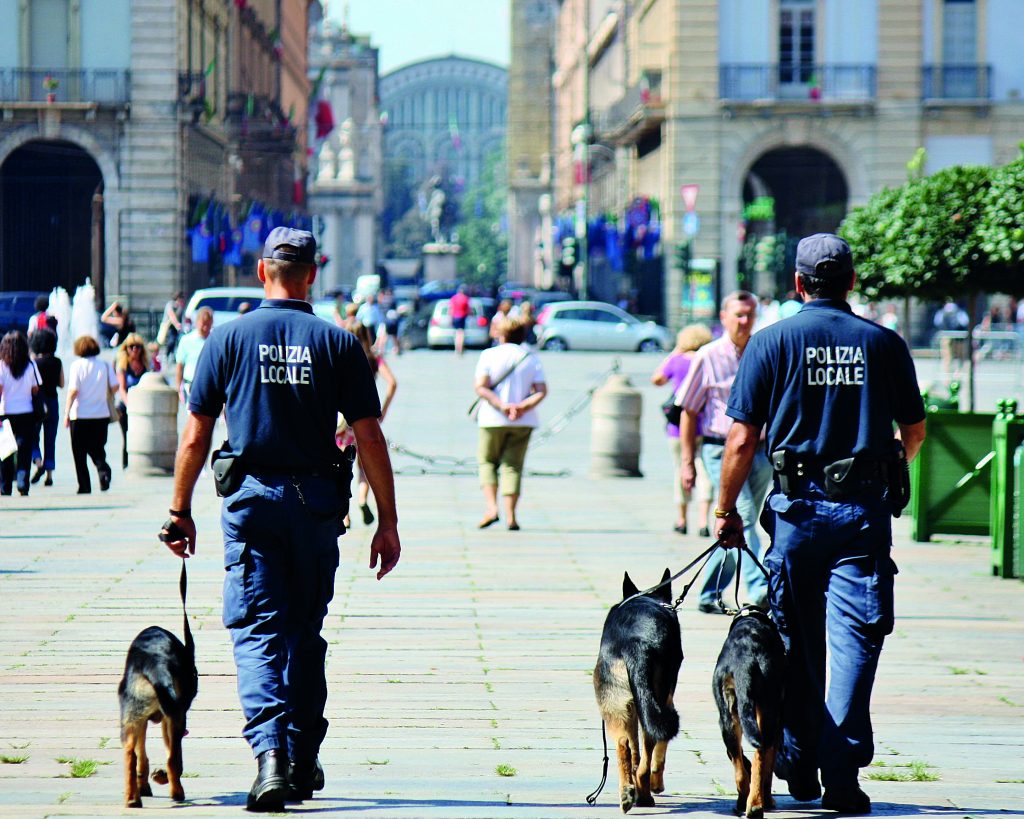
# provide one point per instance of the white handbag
(8, 443)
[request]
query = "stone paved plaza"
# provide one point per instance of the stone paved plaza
(473, 659)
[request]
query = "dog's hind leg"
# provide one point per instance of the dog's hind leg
(643, 772)
(760, 798)
(658, 763)
(623, 755)
(732, 736)
(142, 766)
(172, 739)
(132, 799)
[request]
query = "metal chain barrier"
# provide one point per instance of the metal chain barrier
(451, 465)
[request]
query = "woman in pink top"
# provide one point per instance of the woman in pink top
(674, 369)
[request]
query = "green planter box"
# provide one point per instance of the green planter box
(951, 476)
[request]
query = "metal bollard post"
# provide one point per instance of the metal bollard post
(615, 429)
(152, 426)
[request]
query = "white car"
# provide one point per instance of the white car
(224, 301)
(597, 325)
(441, 334)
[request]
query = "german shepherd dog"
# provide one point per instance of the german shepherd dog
(634, 681)
(748, 688)
(160, 681)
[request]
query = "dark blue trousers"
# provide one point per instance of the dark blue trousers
(280, 558)
(831, 584)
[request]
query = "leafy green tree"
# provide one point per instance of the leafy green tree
(1002, 227)
(926, 239)
(408, 235)
(481, 229)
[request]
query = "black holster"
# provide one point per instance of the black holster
(227, 472)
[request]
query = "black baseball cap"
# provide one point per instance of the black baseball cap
(824, 255)
(290, 245)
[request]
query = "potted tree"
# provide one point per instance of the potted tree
(51, 84)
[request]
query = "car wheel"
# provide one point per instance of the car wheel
(650, 345)
(556, 345)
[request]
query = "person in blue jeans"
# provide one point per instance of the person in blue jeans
(721, 567)
(44, 346)
(282, 376)
(828, 387)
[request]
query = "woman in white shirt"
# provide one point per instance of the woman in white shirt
(19, 381)
(510, 382)
(90, 382)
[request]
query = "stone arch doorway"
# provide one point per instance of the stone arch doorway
(788, 193)
(51, 217)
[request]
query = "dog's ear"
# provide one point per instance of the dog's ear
(665, 592)
(628, 589)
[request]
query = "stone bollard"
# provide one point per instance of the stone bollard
(152, 426)
(615, 429)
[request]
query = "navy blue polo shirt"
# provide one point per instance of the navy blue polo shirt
(826, 383)
(284, 375)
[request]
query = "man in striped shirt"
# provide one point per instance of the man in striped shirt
(704, 396)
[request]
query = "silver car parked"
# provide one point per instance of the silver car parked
(597, 325)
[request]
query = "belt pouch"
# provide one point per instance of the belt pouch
(841, 479)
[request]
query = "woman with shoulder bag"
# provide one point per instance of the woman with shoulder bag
(19, 386)
(674, 369)
(91, 385)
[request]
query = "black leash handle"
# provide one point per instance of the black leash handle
(592, 797)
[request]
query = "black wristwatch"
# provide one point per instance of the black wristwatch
(180, 513)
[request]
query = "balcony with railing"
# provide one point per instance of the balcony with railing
(639, 110)
(957, 82)
(781, 82)
(65, 85)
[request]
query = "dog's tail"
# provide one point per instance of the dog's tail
(748, 682)
(651, 692)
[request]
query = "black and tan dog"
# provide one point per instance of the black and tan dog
(748, 688)
(160, 681)
(634, 681)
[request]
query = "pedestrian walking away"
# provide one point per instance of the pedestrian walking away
(20, 381)
(91, 383)
(510, 383)
(827, 387)
(703, 396)
(170, 325)
(44, 347)
(458, 309)
(189, 347)
(673, 370)
(284, 375)
(378, 366)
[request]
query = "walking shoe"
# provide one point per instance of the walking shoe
(704, 531)
(850, 801)
(710, 608)
(303, 779)
(271, 785)
(105, 480)
(367, 514)
(48, 481)
(803, 787)
(38, 474)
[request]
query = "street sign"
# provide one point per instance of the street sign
(691, 224)
(689, 193)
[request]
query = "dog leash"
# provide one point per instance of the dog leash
(736, 588)
(705, 554)
(592, 797)
(183, 589)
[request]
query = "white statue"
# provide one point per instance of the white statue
(327, 161)
(347, 151)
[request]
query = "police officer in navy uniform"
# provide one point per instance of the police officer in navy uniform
(829, 387)
(283, 375)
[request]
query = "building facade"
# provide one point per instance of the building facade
(530, 251)
(126, 123)
(445, 118)
(777, 116)
(346, 176)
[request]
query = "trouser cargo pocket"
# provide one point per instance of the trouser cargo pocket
(238, 584)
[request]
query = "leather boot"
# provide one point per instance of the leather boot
(304, 778)
(271, 786)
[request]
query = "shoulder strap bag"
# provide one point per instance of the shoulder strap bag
(473, 407)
